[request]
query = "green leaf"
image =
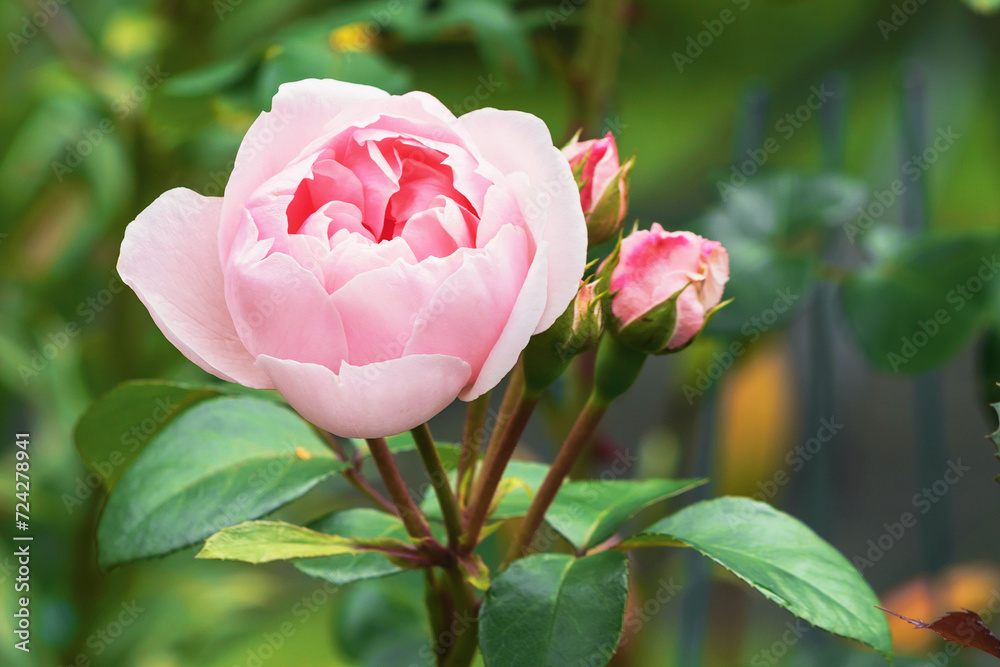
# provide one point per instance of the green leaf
(913, 311)
(552, 610)
(222, 462)
(775, 228)
(211, 78)
(783, 559)
(354, 523)
(517, 487)
(588, 512)
(266, 541)
(118, 426)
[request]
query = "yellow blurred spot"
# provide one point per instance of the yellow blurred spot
(127, 36)
(272, 51)
(757, 418)
(984, 6)
(974, 586)
(353, 37)
(302, 453)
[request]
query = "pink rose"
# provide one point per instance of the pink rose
(653, 266)
(603, 183)
(373, 257)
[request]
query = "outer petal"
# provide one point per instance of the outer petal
(170, 258)
(373, 401)
(299, 113)
(514, 142)
(520, 327)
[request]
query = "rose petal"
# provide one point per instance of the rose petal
(300, 112)
(467, 315)
(520, 327)
(170, 258)
(379, 307)
(690, 318)
(375, 401)
(514, 142)
(282, 309)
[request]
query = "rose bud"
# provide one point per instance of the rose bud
(603, 184)
(373, 257)
(664, 287)
(577, 330)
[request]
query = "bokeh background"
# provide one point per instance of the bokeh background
(847, 153)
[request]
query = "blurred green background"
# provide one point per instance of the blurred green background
(108, 103)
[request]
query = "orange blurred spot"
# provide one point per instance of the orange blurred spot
(757, 422)
(974, 586)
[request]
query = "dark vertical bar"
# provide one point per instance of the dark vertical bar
(694, 604)
(819, 484)
(931, 446)
(694, 609)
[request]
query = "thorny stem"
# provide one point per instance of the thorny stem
(579, 436)
(494, 467)
(409, 513)
(475, 418)
(354, 476)
(439, 480)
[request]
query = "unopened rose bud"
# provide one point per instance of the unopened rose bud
(603, 183)
(664, 287)
(575, 331)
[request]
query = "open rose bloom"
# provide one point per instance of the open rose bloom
(373, 257)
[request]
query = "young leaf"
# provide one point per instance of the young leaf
(266, 541)
(588, 512)
(962, 627)
(360, 524)
(551, 610)
(783, 559)
(222, 462)
(520, 481)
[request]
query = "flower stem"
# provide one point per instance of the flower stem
(409, 513)
(579, 436)
(465, 622)
(472, 435)
(354, 476)
(496, 462)
(439, 480)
